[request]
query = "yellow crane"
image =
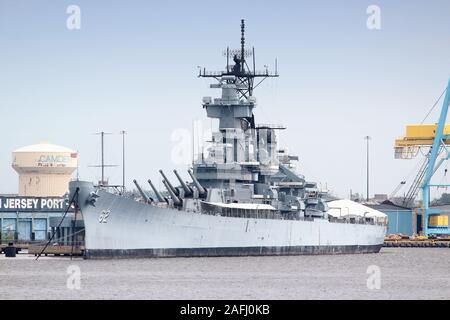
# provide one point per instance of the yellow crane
(436, 139)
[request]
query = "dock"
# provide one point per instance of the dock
(60, 250)
(405, 243)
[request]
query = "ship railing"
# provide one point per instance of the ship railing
(271, 214)
(244, 213)
(357, 220)
(257, 214)
(258, 73)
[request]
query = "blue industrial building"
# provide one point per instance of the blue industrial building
(401, 219)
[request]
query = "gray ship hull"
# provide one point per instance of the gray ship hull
(229, 251)
(119, 227)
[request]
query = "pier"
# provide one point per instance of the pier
(52, 249)
(417, 243)
(57, 250)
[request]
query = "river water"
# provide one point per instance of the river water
(394, 273)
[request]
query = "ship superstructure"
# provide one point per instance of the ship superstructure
(243, 163)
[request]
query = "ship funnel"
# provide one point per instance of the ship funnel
(201, 190)
(176, 200)
(168, 183)
(158, 195)
(146, 198)
(183, 184)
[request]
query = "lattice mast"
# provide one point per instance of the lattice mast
(244, 76)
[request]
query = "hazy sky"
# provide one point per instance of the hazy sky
(133, 64)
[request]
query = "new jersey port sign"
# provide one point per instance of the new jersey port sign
(32, 204)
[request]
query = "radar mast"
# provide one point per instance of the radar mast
(244, 76)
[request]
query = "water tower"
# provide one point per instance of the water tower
(44, 169)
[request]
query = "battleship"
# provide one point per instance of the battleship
(244, 196)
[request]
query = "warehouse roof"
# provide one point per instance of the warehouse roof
(340, 208)
(388, 206)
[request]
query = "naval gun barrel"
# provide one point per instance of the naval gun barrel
(146, 198)
(200, 189)
(169, 185)
(185, 187)
(158, 195)
(176, 200)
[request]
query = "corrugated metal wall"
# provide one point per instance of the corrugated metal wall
(400, 221)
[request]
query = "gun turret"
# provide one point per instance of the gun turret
(187, 190)
(176, 200)
(201, 190)
(158, 195)
(169, 185)
(146, 198)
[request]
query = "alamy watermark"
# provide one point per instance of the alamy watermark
(73, 21)
(374, 20)
(73, 281)
(374, 280)
(223, 146)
